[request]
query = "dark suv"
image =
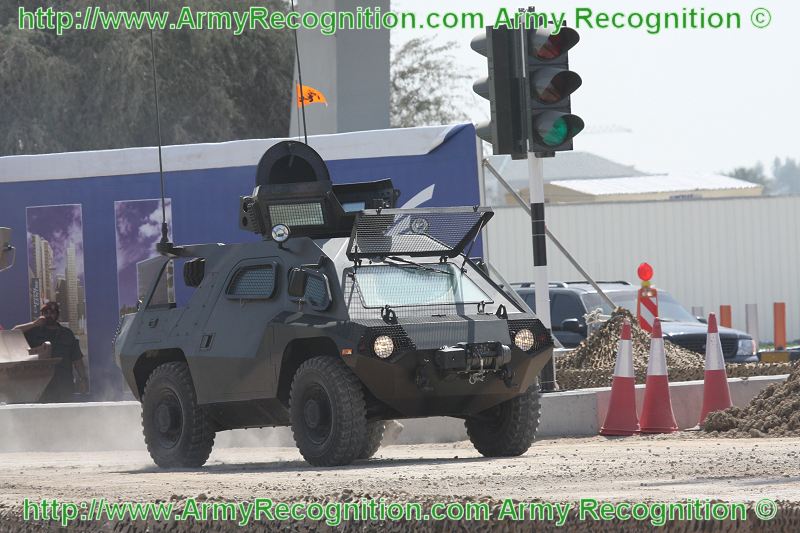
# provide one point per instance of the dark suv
(570, 301)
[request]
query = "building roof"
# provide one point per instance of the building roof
(658, 183)
(566, 166)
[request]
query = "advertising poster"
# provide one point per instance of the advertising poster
(138, 227)
(55, 265)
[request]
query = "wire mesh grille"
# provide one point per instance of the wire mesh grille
(397, 334)
(309, 214)
(414, 232)
(541, 337)
(253, 282)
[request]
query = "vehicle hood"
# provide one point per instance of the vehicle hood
(687, 328)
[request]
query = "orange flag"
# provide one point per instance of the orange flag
(310, 95)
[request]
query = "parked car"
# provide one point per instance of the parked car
(570, 301)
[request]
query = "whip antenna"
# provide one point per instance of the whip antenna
(300, 81)
(164, 245)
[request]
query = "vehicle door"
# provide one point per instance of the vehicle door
(566, 305)
(233, 356)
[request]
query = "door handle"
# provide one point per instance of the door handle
(153, 323)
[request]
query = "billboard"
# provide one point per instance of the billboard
(106, 205)
(56, 265)
(138, 229)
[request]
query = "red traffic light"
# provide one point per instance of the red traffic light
(546, 46)
(645, 272)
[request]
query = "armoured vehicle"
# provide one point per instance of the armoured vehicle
(347, 313)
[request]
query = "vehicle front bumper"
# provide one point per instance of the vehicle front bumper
(414, 385)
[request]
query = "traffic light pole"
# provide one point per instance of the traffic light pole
(538, 231)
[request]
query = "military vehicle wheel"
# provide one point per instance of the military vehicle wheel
(177, 431)
(327, 411)
(374, 438)
(507, 429)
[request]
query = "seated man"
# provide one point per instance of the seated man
(62, 343)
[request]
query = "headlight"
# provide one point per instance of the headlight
(524, 339)
(746, 347)
(383, 346)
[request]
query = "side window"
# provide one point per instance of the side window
(565, 306)
(159, 271)
(252, 282)
(317, 293)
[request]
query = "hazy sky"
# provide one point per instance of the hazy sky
(695, 100)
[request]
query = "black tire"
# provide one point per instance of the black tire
(507, 429)
(327, 411)
(177, 431)
(374, 437)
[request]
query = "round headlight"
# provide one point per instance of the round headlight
(524, 339)
(383, 346)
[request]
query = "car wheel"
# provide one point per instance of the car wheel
(327, 412)
(177, 431)
(507, 429)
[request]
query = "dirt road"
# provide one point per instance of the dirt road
(670, 468)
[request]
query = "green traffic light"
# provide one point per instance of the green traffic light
(555, 128)
(557, 133)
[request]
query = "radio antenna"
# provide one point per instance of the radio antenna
(300, 80)
(164, 245)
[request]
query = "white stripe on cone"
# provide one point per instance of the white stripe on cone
(624, 366)
(714, 358)
(657, 362)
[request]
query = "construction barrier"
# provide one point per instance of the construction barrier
(779, 319)
(725, 316)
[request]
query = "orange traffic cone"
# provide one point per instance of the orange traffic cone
(716, 394)
(621, 418)
(657, 415)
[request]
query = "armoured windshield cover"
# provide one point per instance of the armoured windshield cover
(433, 232)
(399, 285)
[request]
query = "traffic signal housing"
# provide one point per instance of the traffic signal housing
(549, 85)
(506, 90)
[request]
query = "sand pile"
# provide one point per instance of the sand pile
(775, 412)
(591, 364)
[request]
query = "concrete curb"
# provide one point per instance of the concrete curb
(117, 425)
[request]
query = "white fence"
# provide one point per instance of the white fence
(704, 252)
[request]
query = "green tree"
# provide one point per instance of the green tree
(787, 176)
(754, 174)
(425, 84)
(88, 90)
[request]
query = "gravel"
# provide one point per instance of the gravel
(633, 469)
(774, 412)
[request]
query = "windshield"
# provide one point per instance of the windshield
(401, 285)
(668, 307)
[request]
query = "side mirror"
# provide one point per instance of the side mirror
(573, 325)
(298, 278)
(702, 319)
(7, 252)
